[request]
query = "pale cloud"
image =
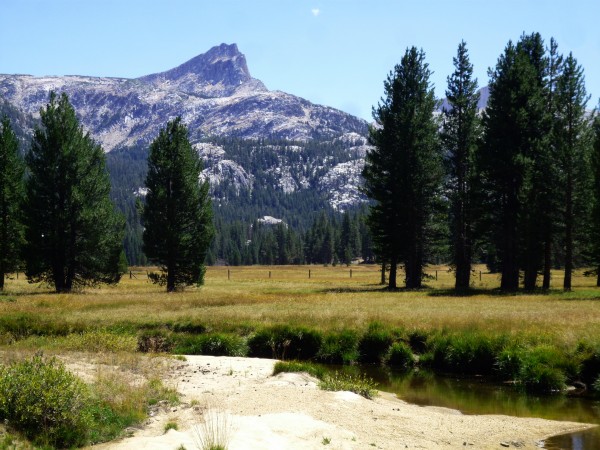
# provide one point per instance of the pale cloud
(315, 11)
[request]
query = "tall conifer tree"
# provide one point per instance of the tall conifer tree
(73, 233)
(459, 137)
(403, 172)
(573, 134)
(11, 199)
(512, 159)
(177, 214)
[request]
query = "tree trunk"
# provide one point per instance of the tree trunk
(392, 278)
(170, 280)
(383, 272)
(568, 234)
(2, 280)
(547, 264)
(598, 276)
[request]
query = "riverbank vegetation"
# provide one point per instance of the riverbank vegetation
(335, 315)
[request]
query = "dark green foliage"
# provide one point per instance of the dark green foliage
(469, 353)
(285, 342)
(374, 344)
(155, 341)
(215, 344)
(403, 172)
(177, 214)
(339, 348)
(45, 402)
(594, 224)
(460, 133)
(572, 134)
(11, 199)
(74, 236)
(400, 356)
(511, 160)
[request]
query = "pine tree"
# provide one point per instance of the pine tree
(573, 143)
(74, 236)
(594, 225)
(11, 199)
(459, 137)
(403, 172)
(512, 158)
(177, 215)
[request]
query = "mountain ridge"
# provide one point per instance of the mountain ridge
(213, 92)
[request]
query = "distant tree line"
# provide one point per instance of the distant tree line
(340, 238)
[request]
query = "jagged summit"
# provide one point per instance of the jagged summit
(217, 73)
(214, 94)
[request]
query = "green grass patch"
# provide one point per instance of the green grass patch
(215, 344)
(285, 342)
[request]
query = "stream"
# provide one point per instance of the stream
(478, 396)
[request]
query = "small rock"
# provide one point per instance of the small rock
(504, 444)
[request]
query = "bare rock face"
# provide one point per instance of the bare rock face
(213, 92)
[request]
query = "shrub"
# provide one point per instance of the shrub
(374, 344)
(339, 348)
(590, 362)
(468, 353)
(44, 401)
(154, 341)
(186, 327)
(542, 369)
(417, 339)
(400, 356)
(285, 342)
(215, 344)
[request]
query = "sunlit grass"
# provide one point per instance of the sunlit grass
(246, 297)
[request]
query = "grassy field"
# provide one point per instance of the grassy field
(333, 298)
(541, 342)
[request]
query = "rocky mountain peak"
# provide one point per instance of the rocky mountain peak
(223, 67)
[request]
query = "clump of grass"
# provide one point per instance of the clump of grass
(215, 432)
(171, 426)
(339, 348)
(359, 384)
(285, 342)
(375, 343)
(337, 381)
(300, 366)
(215, 344)
(400, 356)
(89, 341)
(468, 352)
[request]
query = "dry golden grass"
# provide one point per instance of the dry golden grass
(238, 297)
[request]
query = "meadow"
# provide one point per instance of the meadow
(326, 314)
(541, 342)
(333, 298)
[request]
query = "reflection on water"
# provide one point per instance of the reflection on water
(474, 396)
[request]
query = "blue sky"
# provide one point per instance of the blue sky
(333, 52)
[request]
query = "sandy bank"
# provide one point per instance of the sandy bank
(289, 411)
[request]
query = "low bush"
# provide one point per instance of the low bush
(589, 357)
(45, 402)
(542, 369)
(400, 356)
(339, 348)
(155, 341)
(468, 353)
(374, 344)
(215, 344)
(285, 342)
